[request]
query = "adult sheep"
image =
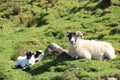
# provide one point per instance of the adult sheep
(26, 61)
(90, 49)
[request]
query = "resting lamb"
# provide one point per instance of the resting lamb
(39, 55)
(26, 61)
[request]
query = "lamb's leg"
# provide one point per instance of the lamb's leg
(24, 67)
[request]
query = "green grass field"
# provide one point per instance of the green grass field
(27, 25)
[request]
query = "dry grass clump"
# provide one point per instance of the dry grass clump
(33, 42)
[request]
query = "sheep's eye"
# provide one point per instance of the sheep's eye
(74, 33)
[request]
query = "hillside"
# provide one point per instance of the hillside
(32, 24)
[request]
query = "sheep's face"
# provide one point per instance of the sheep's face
(29, 54)
(38, 52)
(73, 36)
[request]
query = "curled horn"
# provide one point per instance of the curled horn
(78, 33)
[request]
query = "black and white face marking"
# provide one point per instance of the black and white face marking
(38, 52)
(72, 37)
(29, 54)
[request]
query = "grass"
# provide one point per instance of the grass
(49, 24)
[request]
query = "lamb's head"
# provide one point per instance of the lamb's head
(39, 55)
(38, 52)
(52, 48)
(29, 54)
(73, 36)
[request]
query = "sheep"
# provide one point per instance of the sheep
(51, 48)
(55, 48)
(90, 49)
(25, 61)
(39, 55)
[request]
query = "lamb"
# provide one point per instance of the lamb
(54, 48)
(90, 49)
(26, 61)
(39, 55)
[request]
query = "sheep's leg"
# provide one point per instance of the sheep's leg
(102, 58)
(86, 54)
(110, 54)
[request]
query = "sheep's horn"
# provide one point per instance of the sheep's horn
(117, 50)
(78, 33)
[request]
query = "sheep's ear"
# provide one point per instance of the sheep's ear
(79, 34)
(67, 34)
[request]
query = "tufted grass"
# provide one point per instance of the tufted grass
(51, 23)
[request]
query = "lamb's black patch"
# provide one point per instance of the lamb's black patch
(29, 54)
(37, 54)
(36, 60)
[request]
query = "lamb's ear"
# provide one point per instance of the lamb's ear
(79, 34)
(26, 53)
(67, 34)
(33, 53)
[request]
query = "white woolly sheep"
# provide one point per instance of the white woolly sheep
(90, 49)
(39, 55)
(26, 61)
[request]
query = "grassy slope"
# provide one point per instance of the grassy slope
(86, 16)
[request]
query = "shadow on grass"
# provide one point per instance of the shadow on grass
(41, 20)
(104, 4)
(45, 67)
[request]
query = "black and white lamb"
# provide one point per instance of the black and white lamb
(26, 61)
(39, 55)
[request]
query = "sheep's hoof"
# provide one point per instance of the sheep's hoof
(27, 69)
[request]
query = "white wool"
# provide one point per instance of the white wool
(40, 57)
(91, 49)
(22, 61)
(32, 60)
(55, 46)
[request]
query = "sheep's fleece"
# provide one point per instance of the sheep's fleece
(90, 49)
